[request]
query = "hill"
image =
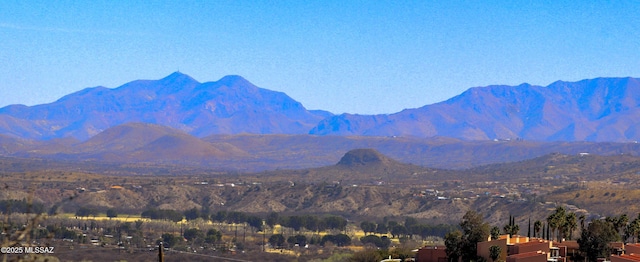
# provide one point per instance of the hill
(364, 165)
(151, 143)
(365, 157)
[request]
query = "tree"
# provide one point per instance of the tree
(557, 221)
(398, 230)
(495, 233)
(327, 238)
(111, 213)
(85, 212)
(276, 240)
(312, 223)
(192, 234)
(382, 228)
(192, 214)
(633, 229)
(368, 255)
(213, 236)
(511, 228)
(170, 240)
(621, 223)
(571, 223)
(410, 221)
(453, 244)
(474, 230)
(423, 230)
(537, 226)
(595, 241)
(169, 214)
(336, 222)
(494, 252)
(582, 218)
(301, 240)
(342, 240)
(272, 219)
(255, 222)
(386, 242)
(368, 227)
(296, 222)
(236, 217)
(219, 216)
(371, 239)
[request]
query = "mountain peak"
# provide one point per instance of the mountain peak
(177, 77)
(232, 80)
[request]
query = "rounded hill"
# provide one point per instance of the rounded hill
(364, 156)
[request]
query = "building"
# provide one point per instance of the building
(432, 254)
(632, 249)
(567, 248)
(525, 249)
(625, 258)
(631, 253)
(528, 257)
(522, 249)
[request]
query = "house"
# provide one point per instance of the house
(632, 249)
(629, 257)
(522, 249)
(528, 257)
(431, 254)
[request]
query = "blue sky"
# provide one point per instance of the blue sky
(361, 57)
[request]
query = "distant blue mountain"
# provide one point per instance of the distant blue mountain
(229, 106)
(603, 109)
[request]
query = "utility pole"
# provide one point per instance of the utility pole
(264, 232)
(160, 253)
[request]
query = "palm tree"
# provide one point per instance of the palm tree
(570, 225)
(494, 252)
(495, 233)
(537, 226)
(511, 228)
(557, 221)
(621, 223)
(633, 229)
(552, 223)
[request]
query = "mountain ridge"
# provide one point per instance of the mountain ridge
(599, 109)
(231, 105)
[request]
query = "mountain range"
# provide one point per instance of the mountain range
(230, 105)
(602, 109)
